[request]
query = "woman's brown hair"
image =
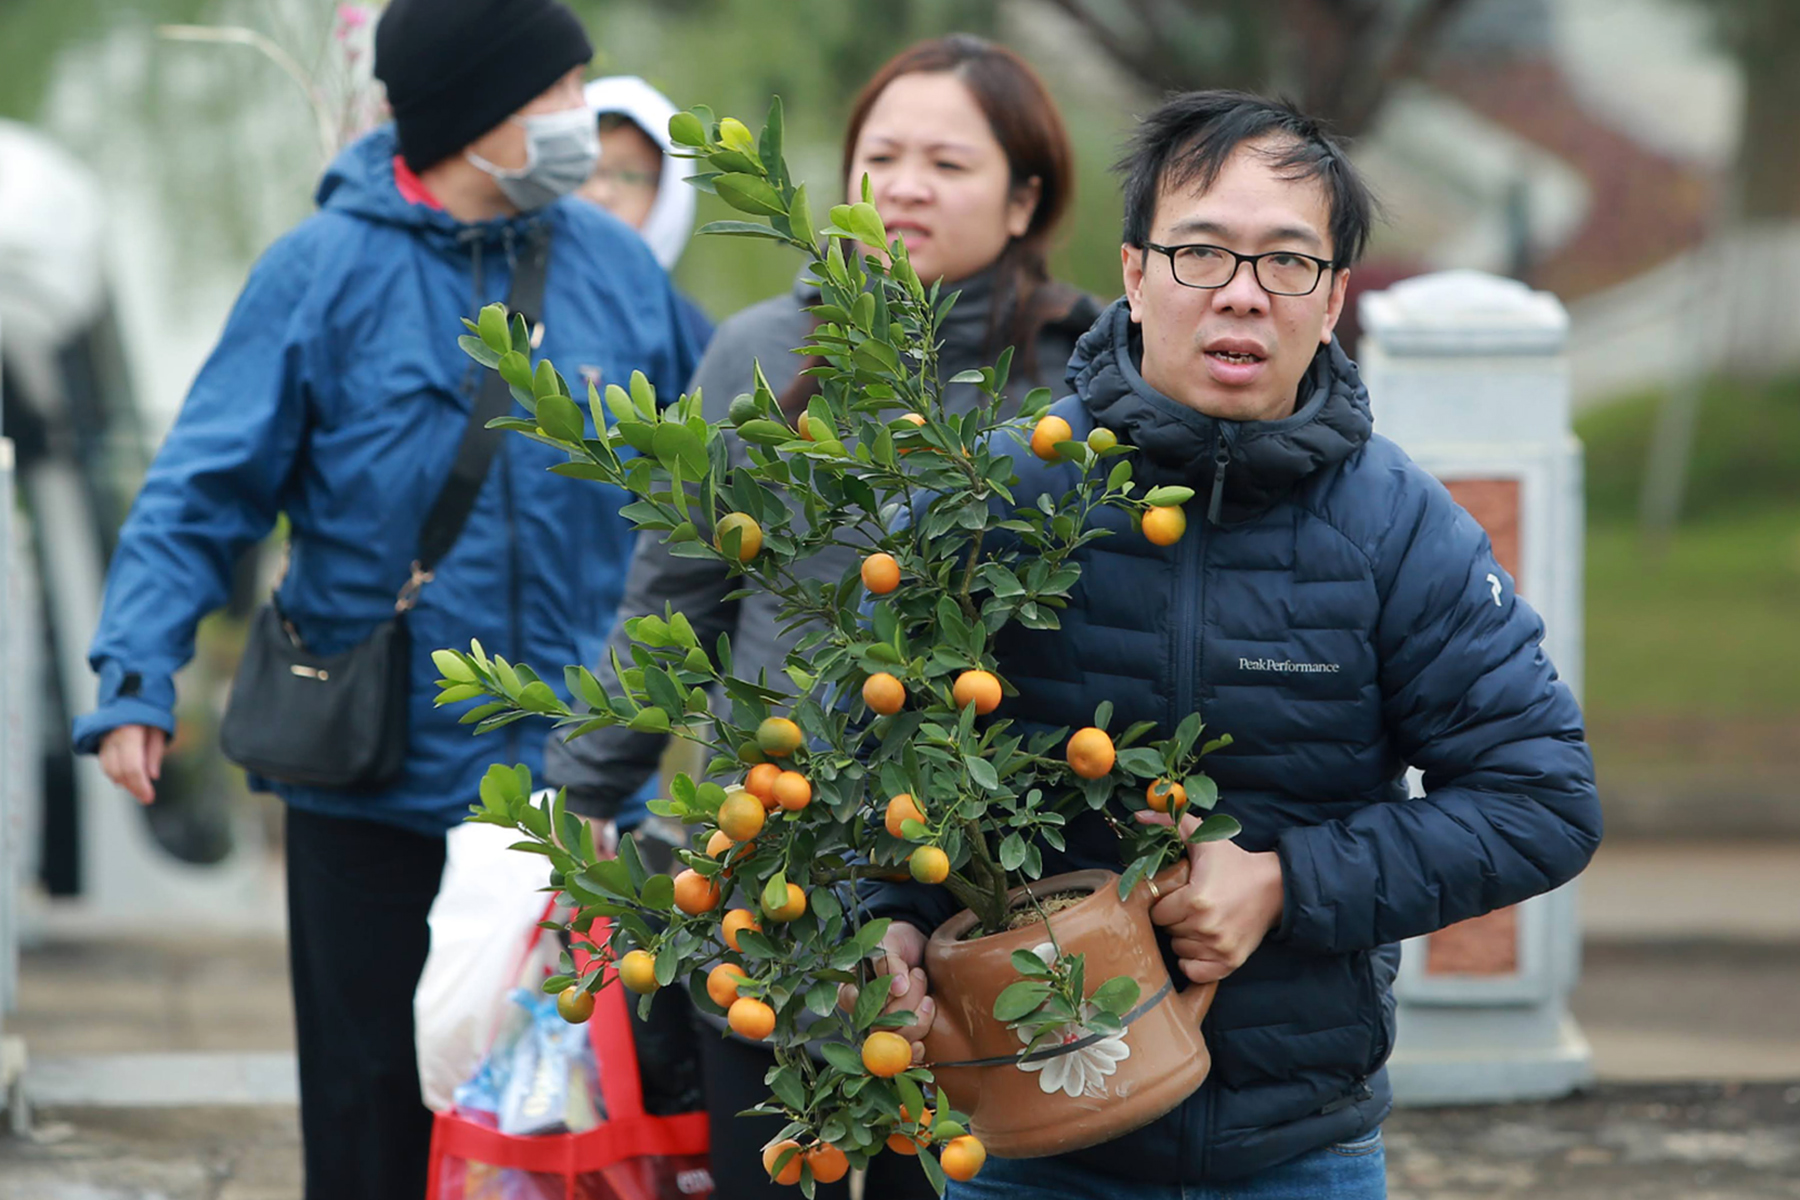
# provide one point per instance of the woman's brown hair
(1029, 128)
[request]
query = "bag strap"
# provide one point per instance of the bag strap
(456, 499)
(609, 1030)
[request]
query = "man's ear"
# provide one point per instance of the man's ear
(1334, 308)
(1131, 264)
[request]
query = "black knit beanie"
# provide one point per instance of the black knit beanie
(454, 69)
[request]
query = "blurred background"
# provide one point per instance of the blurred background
(1638, 158)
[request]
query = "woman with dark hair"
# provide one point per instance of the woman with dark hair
(968, 162)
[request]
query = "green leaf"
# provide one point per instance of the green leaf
(821, 997)
(451, 666)
(492, 324)
(515, 368)
(862, 220)
(735, 135)
(685, 129)
(800, 215)
(982, 772)
(658, 893)
(934, 1173)
(1020, 999)
(649, 720)
(609, 875)
(912, 1098)
(741, 229)
(1136, 871)
(477, 349)
(751, 194)
(677, 443)
(766, 433)
(620, 403)
(1169, 494)
(769, 145)
(788, 1089)
(733, 160)
(538, 698)
(1141, 762)
(758, 945)
(1117, 995)
(1012, 853)
(844, 1058)
(583, 470)
(1202, 792)
(634, 863)
(545, 382)
(869, 1004)
(774, 893)
(1030, 965)
(1216, 828)
(643, 396)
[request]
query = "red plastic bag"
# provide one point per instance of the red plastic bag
(629, 1156)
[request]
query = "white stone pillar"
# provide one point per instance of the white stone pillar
(1469, 373)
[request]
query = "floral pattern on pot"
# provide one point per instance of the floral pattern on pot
(1079, 1072)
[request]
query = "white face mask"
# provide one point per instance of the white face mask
(561, 149)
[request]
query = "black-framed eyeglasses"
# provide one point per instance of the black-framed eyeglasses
(1278, 272)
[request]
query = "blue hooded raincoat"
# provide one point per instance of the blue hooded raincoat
(338, 395)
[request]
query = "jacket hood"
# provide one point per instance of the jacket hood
(1263, 461)
(671, 220)
(360, 183)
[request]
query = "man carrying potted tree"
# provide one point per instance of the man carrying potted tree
(1331, 608)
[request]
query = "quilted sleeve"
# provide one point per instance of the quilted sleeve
(1510, 808)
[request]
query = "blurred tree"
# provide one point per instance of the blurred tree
(34, 32)
(1764, 35)
(1336, 58)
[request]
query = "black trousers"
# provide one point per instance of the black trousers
(733, 1072)
(358, 896)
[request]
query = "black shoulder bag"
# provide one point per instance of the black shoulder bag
(340, 720)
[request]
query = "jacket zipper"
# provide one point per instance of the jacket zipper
(1187, 700)
(1187, 620)
(1221, 460)
(1190, 562)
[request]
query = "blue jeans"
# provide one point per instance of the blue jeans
(1348, 1171)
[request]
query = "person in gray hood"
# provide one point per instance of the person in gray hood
(969, 163)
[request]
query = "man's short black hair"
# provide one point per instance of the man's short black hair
(1189, 138)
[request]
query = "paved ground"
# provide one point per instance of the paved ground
(1621, 1142)
(1692, 969)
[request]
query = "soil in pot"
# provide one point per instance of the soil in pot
(1026, 913)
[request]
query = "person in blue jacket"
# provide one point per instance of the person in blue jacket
(1330, 607)
(338, 395)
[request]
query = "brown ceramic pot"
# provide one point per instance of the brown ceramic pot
(1090, 1088)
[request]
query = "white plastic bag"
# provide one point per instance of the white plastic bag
(481, 925)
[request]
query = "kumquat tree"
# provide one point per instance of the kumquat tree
(886, 750)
